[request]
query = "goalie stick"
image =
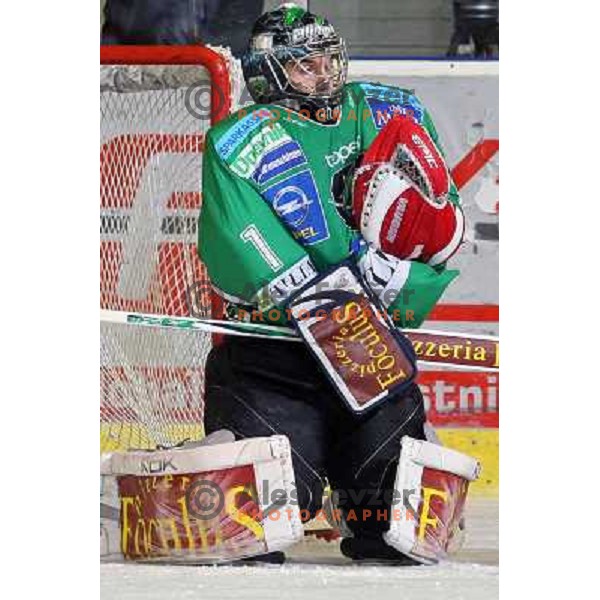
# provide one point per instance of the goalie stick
(471, 352)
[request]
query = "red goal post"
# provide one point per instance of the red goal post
(157, 103)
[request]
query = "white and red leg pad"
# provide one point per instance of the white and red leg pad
(436, 479)
(213, 503)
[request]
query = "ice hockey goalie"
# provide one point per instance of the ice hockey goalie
(284, 244)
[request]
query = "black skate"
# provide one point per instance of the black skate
(271, 558)
(374, 550)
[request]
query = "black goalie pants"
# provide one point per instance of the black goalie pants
(264, 387)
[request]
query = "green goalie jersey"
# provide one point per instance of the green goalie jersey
(274, 212)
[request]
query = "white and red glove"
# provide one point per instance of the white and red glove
(400, 196)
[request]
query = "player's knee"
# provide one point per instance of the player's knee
(413, 415)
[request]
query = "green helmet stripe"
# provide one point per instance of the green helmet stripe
(292, 14)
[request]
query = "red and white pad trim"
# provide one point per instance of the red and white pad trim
(400, 196)
(384, 188)
(399, 219)
(454, 244)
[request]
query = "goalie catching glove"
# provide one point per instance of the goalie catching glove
(400, 196)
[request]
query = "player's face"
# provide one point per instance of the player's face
(316, 74)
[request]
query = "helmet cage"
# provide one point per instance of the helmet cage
(279, 63)
(269, 81)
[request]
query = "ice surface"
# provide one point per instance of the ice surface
(316, 570)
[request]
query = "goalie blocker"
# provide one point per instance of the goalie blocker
(201, 503)
(366, 358)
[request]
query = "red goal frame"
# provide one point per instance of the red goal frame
(220, 81)
(212, 61)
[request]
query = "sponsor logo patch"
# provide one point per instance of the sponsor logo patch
(427, 154)
(312, 32)
(383, 111)
(341, 155)
(397, 220)
(280, 289)
(283, 158)
(265, 140)
(238, 132)
(385, 93)
(297, 203)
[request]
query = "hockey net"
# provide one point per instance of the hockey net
(156, 105)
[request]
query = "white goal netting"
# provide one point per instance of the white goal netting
(153, 121)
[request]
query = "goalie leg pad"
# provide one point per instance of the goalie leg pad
(438, 480)
(200, 504)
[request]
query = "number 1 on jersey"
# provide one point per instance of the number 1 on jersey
(252, 234)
